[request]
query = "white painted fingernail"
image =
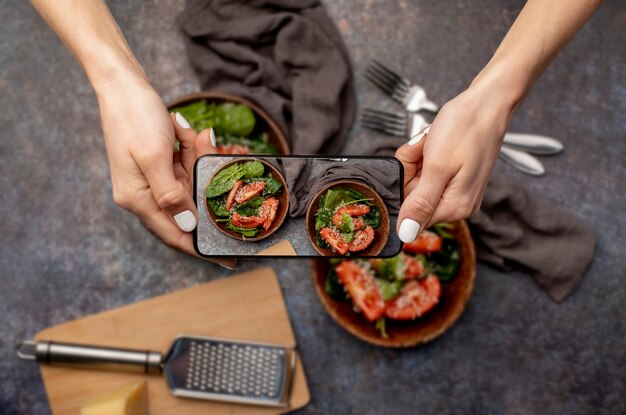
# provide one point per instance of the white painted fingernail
(180, 120)
(408, 230)
(186, 221)
(418, 137)
(212, 137)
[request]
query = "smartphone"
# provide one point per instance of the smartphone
(304, 206)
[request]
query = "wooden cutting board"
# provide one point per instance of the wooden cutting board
(247, 306)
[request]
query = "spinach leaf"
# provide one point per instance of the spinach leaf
(389, 289)
(392, 269)
(445, 263)
(333, 286)
(218, 206)
(373, 218)
(235, 119)
(322, 218)
(347, 236)
(253, 169)
(272, 185)
(224, 180)
(251, 207)
(321, 242)
(244, 231)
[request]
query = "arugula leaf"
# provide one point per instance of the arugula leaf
(392, 269)
(224, 180)
(347, 224)
(389, 289)
(218, 206)
(440, 228)
(380, 326)
(253, 169)
(249, 233)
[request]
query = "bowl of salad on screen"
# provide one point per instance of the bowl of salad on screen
(347, 218)
(240, 126)
(247, 199)
(405, 300)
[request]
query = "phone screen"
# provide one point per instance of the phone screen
(285, 206)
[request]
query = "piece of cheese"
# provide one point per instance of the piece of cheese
(129, 400)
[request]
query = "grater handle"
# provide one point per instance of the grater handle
(106, 358)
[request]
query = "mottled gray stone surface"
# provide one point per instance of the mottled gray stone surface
(67, 251)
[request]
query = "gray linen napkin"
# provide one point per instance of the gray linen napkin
(305, 179)
(517, 229)
(285, 55)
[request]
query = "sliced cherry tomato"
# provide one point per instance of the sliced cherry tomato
(247, 222)
(335, 240)
(233, 149)
(230, 199)
(425, 243)
(362, 239)
(362, 288)
(354, 210)
(416, 299)
(414, 267)
(268, 211)
(338, 220)
(249, 191)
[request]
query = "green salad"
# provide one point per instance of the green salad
(345, 221)
(233, 125)
(244, 197)
(404, 287)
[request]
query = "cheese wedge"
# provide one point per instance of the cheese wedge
(129, 400)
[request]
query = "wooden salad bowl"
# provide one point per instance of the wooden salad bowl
(264, 123)
(381, 234)
(401, 334)
(281, 214)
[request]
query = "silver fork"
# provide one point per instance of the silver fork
(408, 125)
(411, 96)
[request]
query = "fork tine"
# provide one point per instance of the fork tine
(400, 132)
(387, 115)
(390, 74)
(396, 84)
(384, 85)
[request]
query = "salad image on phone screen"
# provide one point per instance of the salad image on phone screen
(243, 199)
(350, 220)
(297, 206)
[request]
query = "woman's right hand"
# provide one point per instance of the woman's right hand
(148, 178)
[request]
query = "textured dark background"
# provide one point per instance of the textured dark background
(67, 251)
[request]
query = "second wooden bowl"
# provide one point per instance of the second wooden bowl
(454, 299)
(381, 234)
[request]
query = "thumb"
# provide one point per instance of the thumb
(205, 142)
(420, 205)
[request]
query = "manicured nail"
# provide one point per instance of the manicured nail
(408, 230)
(180, 120)
(186, 221)
(212, 137)
(418, 137)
